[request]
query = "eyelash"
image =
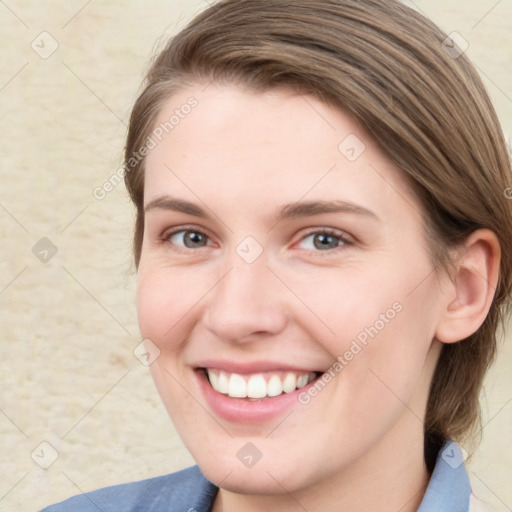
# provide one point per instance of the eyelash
(344, 240)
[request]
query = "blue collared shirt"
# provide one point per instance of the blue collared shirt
(449, 490)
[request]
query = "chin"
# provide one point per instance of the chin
(258, 480)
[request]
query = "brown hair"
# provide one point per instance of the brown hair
(421, 101)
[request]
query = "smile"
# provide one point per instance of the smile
(252, 392)
(258, 385)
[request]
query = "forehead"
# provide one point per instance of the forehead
(264, 147)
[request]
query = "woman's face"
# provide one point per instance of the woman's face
(283, 257)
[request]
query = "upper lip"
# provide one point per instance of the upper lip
(247, 367)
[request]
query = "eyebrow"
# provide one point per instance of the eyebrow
(295, 210)
(176, 205)
(310, 208)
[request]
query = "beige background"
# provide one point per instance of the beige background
(68, 326)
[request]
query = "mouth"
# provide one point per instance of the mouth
(257, 386)
(254, 393)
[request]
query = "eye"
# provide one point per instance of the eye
(187, 238)
(324, 240)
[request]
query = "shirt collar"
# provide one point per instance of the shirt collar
(449, 489)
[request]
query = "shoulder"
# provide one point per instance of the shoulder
(184, 490)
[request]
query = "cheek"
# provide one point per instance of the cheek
(378, 325)
(165, 301)
(346, 304)
(388, 290)
(165, 307)
(389, 370)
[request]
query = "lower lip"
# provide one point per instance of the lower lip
(241, 410)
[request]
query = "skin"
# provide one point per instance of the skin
(241, 156)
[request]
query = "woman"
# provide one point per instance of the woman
(323, 243)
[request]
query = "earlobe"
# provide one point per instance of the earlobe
(472, 287)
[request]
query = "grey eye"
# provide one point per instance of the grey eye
(321, 241)
(189, 239)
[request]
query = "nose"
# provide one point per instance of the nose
(247, 304)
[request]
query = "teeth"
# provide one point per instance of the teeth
(256, 386)
(223, 384)
(302, 381)
(274, 386)
(289, 383)
(237, 386)
(214, 380)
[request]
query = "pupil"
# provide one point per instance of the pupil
(325, 242)
(194, 239)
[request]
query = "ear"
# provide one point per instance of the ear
(470, 292)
